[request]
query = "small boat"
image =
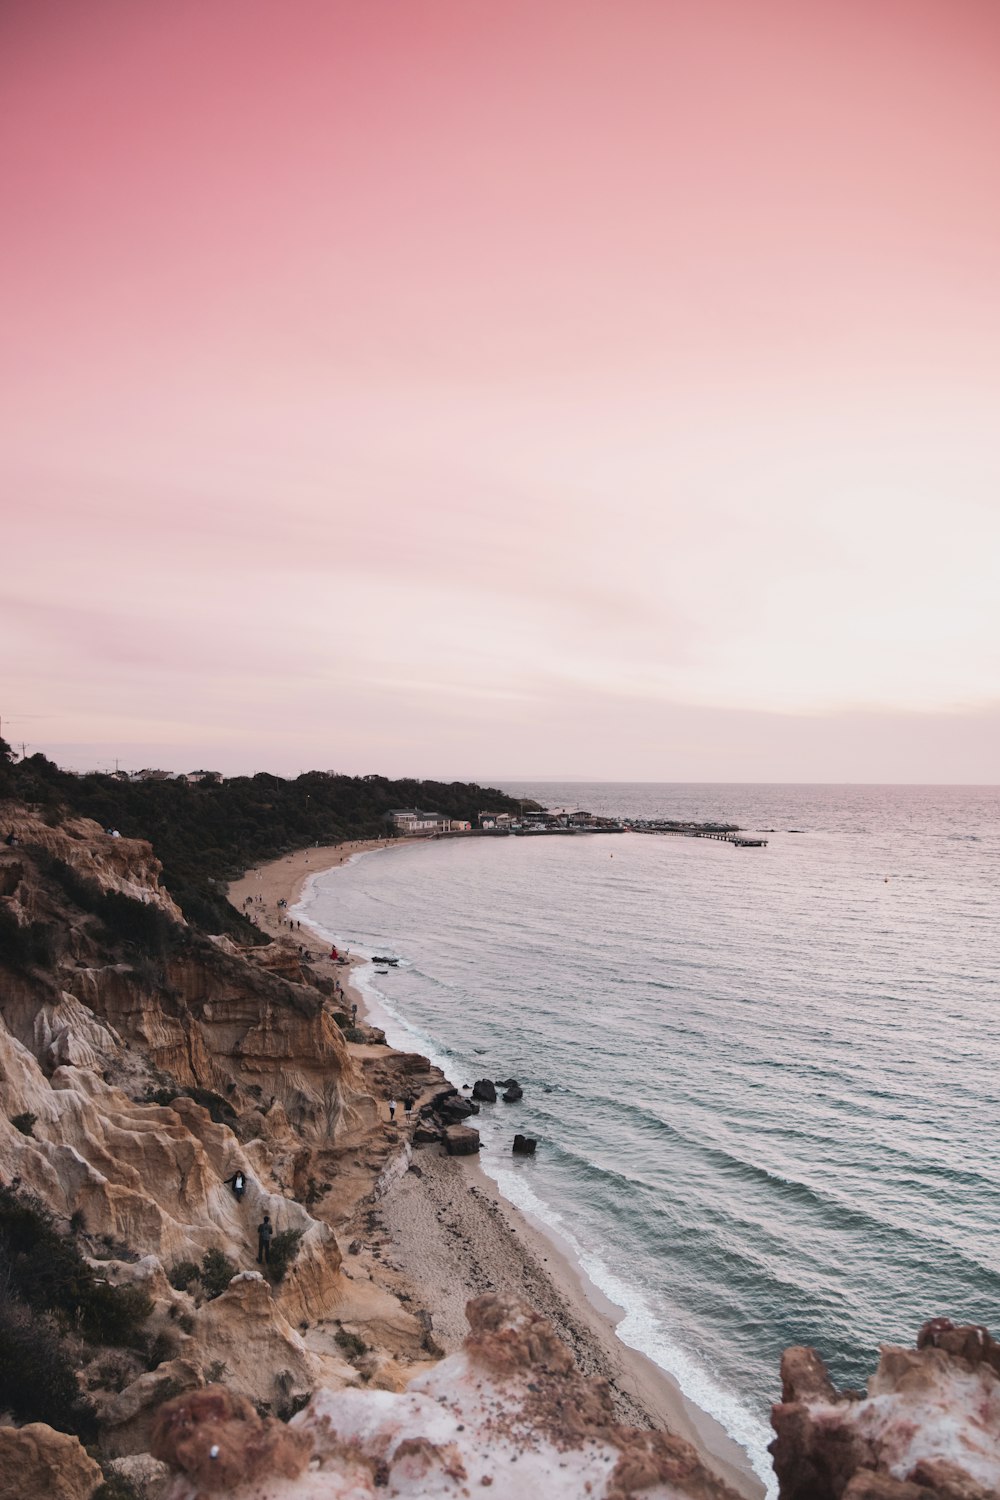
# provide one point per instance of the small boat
(380, 959)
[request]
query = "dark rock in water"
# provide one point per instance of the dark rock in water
(506, 1083)
(456, 1109)
(524, 1145)
(485, 1089)
(461, 1140)
(513, 1093)
(426, 1135)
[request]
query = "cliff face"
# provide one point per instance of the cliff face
(509, 1414)
(98, 1043)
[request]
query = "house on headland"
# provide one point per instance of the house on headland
(408, 821)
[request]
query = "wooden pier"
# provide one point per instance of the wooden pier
(738, 840)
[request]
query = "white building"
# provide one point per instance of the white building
(409, 820)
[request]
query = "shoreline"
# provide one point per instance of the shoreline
(284, 879)
(453, 1215)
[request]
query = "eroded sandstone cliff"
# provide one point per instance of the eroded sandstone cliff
(141, 1066)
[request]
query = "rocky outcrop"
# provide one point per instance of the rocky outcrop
(509, 1414)
(38, 1463)
(929, 1425)
(217, 1440)
(454, 1109)
(125, 866)
(484, 1089)
(524, 1145)
(249, 1027)
(461, 1140)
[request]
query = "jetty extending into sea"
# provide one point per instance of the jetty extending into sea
(547, 824)
(724, 834)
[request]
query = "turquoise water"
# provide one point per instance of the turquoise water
(765, 1082)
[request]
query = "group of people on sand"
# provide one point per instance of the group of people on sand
(265, 1229)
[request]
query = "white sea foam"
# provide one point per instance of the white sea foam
(641, 1329)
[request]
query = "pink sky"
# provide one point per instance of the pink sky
(474, 390)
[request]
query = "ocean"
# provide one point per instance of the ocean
(765, 1082)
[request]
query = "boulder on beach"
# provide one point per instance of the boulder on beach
(485, 1089)
(452, 1111)
(425, 1134)
(524, 1145)
(513, 1092)
(461, 1140)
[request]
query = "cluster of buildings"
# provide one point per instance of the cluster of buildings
(191, 777)
(408, 821)
(411, 822)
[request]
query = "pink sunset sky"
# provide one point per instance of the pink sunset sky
(480, 390)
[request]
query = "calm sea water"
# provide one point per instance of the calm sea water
(765, 1083)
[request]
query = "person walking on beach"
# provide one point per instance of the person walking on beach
(392, 1110)
(265, 1229)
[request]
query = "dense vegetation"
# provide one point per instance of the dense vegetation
(208, 834)
(49, 1295)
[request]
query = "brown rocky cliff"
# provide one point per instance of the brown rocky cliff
(100, 1042)
(509, 1414)
(928, 1427)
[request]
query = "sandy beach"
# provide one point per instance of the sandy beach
(449, 1235)
(281, 881)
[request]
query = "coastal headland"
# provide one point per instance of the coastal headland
(447, 1235)
(169, 1089)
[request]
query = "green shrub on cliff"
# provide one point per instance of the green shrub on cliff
(44, 1270)
(35, 944)
(116, 1487)
(37, 1371)
(284, 1250)
(182, 1274)
(217, 1271)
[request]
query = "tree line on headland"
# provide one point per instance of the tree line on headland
(208, 833)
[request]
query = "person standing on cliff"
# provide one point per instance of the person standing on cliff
(392, 1110)
(238, 1183)
(265, 1229)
